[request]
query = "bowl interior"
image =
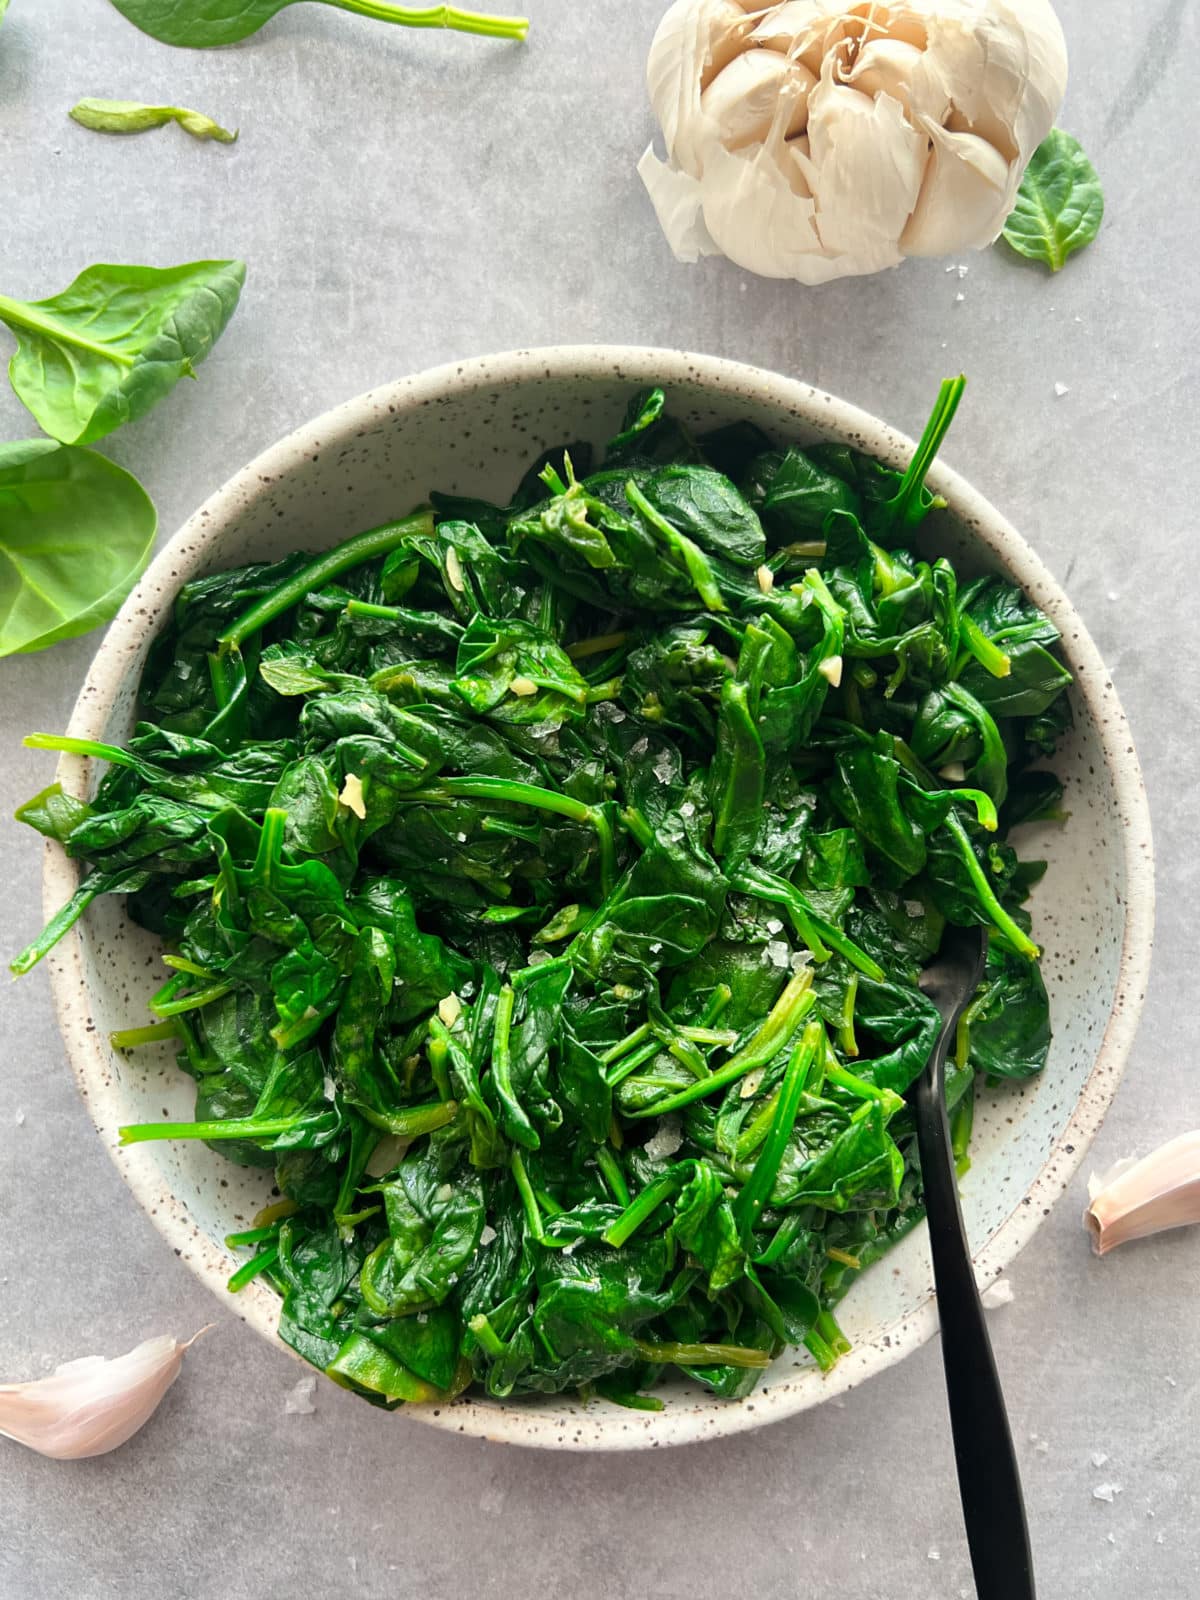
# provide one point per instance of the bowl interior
(473, 429)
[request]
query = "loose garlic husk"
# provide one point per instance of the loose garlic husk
(1138, 1198)
(814, 139)
(90, 1406)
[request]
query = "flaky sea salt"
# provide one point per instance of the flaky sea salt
(298, 1401)
(488, 1235)
(491, 1501)
(1107, 1492)
(779, 952)
(1099, 1457)
(1061, 389)
(666, 1138)
(997, 1294)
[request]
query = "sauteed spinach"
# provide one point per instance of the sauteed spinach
(546, 888)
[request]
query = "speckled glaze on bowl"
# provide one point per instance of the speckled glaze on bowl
(472, 428)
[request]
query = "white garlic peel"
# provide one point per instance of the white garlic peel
(1138, 1198)
(90, 1406)
(818, 139)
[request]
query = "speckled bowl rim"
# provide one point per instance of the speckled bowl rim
(607, 1427)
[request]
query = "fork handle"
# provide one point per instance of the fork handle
(988, 1481)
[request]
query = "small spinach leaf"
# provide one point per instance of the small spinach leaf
(131, 116)
(1060, 204)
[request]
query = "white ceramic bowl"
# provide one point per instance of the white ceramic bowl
(472, 428)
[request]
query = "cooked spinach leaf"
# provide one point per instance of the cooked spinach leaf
(544, 890)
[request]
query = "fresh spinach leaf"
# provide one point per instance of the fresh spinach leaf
(131, 116)
(1060, 204)
(201, 24)
(75, 533)
(110, 346)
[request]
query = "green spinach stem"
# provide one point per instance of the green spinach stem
(1019, 939)
(352, 553)
(438, 17)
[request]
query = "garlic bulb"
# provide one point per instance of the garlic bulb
(1138, 1198)
(90, 1406)
(815, 139)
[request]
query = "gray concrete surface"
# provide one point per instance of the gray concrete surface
(406, 198)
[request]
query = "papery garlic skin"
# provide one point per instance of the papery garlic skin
(90, 1406)
(1138, 1198)
(816, 139)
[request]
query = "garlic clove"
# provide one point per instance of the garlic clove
(1099, 1181)
(758, 215)
(352, 796)
(867, 164)
(871, 20)
(90, 1406)
(677, 200)
(797, 28)
(964, 199)
(1004, 66)
(695, 40)
(904, 24)
(728, 29)
(754, 95)
(890, 66)
(1160, 1191)
(799, 152)
(810, 29)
